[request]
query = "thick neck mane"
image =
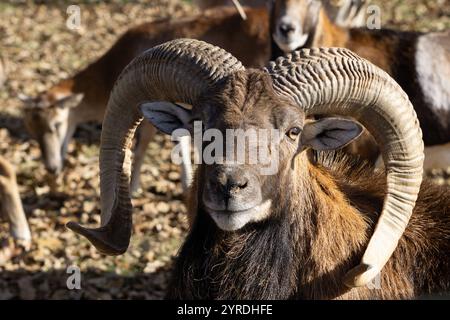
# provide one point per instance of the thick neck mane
(307, 246)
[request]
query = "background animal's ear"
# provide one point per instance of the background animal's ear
(167, 116)
(70, 101)
(27, 101)
(330, 133)
(314, 4)
(314, 9)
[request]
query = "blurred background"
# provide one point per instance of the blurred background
(41, 50)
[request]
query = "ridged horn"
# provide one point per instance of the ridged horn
(336, 81)
(176, 71)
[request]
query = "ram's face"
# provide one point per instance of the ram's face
(246, 135)
(259, 136)
(294, 22)
(248, 138)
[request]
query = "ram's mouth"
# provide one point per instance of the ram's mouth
(292, 43)
(235, 220)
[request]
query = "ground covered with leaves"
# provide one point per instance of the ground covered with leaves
(40, 50)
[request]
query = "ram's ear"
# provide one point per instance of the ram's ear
(28, 102)
(330, 133)
(314, 7)
(166, 116)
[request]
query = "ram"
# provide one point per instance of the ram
(298, 232)
(419, 62)
(11, 209)
(346, 13)
(53, 116)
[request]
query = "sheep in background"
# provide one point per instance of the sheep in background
(346, 13)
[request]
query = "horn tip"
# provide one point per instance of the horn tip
(360, 276)
(98, 238)
(75, 227)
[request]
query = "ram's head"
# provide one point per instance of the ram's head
(279, 99)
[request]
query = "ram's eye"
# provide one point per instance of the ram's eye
(293, 133)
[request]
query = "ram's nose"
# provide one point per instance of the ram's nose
(231, 184)
(287, 28)
(232, 189)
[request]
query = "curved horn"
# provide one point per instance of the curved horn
(176, 71)
(336, 81)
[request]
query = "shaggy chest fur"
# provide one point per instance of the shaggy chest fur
(215, 265)
(304, 251)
